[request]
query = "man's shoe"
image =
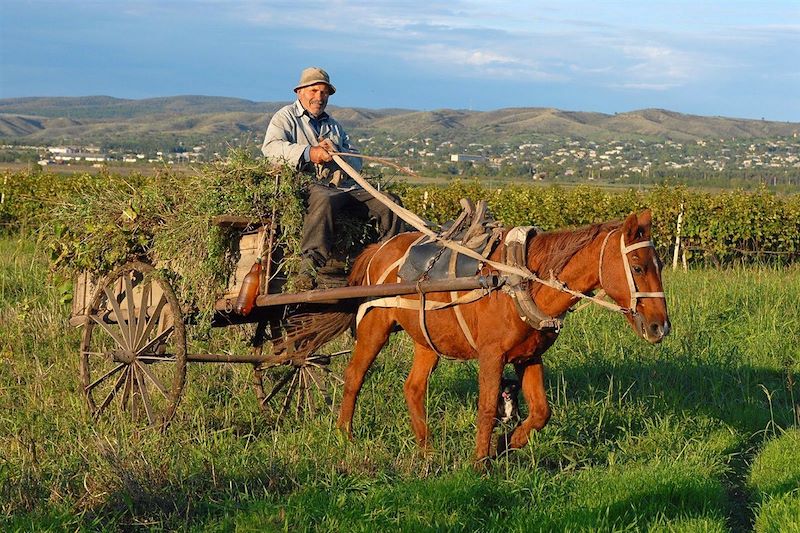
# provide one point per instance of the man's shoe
(304, 282)
(306, 276)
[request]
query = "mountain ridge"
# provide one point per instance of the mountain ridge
(92, 117)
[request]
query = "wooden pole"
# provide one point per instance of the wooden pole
(370, 291)
(422, 227)
(677, 240)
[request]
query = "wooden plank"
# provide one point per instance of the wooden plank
(82, 291)
(251, 248)
(233, 221)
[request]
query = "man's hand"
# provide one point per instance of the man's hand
(328, 145)
(322, 152)
(319, 155)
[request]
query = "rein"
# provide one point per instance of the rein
(521, 271)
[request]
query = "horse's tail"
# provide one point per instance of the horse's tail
(305, 333)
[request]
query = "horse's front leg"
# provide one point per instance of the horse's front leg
(531, 375)
(425, 361)
(372, 334)
(490, 371)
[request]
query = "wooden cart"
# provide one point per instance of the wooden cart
(133, 350)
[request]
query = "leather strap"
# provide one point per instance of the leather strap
(516, 249)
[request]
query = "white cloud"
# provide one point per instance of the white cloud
(626, 44)
(471, 62)
(658, 67)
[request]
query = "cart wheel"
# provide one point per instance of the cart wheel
(296, 387)
(133, 349)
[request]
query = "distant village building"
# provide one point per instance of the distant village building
(68, 153)
(466, 158)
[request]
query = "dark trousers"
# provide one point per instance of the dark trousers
(324, 203)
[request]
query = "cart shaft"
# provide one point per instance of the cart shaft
(369, 291)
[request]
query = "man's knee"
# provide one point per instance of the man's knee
(324, 199)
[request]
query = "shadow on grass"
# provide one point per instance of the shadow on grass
(730, 393)
(749, 399)
(466, 501)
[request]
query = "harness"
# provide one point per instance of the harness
(424, 305)
(518, 288)
(522, 271)
(632, 289)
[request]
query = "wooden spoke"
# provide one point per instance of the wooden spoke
(158, 339)
(152, 322)
(141, 319)
(131, 308)
(106, 355)
(108, 329)
(110, 395)
(134, 409)
(127, 393)
(321, 385)
(112, 301)
(104, 377)
(153, 379)
(278, 386)
(328, 371)
(300, 391)
(164, 358)
(311, 403)
(289, 392)
(144, 395)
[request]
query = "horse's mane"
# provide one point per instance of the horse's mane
(550, 251)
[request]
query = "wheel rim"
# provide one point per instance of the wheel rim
(133, 349)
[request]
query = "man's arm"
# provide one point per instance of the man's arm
(280, 142)
(346, 147)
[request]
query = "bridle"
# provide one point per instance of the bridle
(625, 250)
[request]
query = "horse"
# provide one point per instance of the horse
(617, 257)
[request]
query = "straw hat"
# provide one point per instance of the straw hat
(313, 75)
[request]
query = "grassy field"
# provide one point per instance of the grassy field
(696, 434)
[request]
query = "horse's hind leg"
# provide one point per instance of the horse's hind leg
(532, 378)
(372, 334)
(425, 360)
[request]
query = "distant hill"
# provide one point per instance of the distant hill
(39, 119)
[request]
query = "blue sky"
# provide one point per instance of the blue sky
(720, 57)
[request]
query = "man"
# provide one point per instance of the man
(303, 135)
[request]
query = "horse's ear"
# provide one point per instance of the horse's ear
(637, 227)
(645, 223)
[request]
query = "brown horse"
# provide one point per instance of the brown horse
(615, 256)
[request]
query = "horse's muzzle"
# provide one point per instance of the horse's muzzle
(653, 331)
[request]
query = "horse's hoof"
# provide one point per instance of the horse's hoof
(424, 448)
(343, 434)
(483, 465)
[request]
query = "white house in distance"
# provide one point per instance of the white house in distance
(66, 153)
(466, 158)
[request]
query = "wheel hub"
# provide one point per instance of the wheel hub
(124, 356)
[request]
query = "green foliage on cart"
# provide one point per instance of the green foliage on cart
(96, 223)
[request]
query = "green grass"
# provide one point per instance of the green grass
(775, 481)
(690, 435)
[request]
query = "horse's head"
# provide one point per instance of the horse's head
(630, 273)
